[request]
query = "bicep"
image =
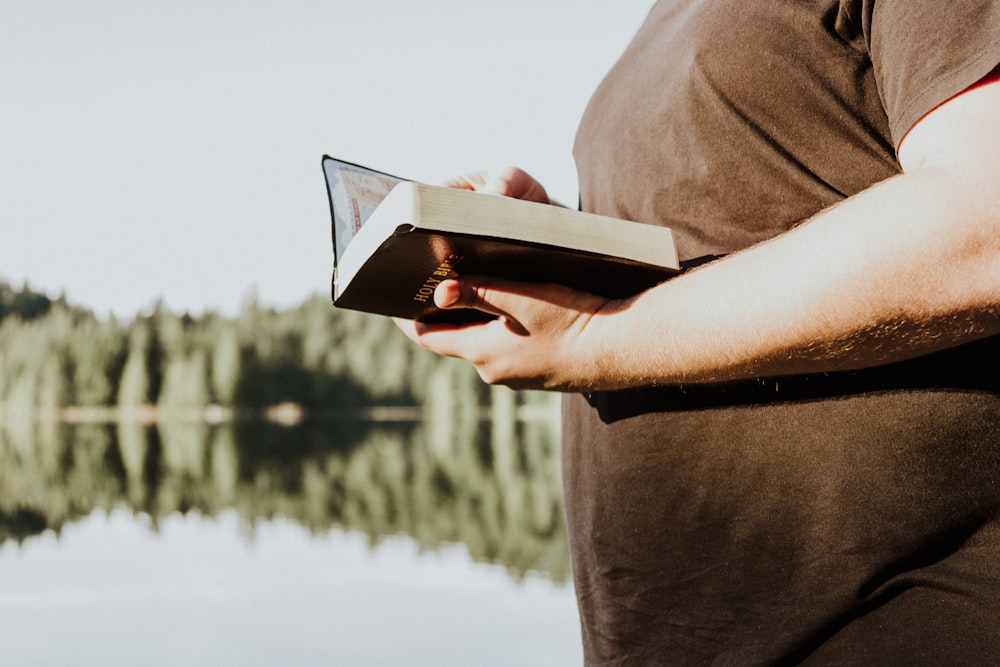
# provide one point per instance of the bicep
(961, 135)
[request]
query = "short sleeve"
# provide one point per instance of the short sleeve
(925, 52)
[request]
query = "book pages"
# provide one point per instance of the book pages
(355, 192)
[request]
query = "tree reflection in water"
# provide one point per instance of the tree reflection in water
(492, 486)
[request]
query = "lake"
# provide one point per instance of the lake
(436, 542)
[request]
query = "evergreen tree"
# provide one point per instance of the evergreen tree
(133, 389)
(225, 371)
(24, 303)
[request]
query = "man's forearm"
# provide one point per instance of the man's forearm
(902, 269)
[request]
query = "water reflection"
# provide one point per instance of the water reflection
(490, 486)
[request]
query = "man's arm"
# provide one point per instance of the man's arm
(910, 266)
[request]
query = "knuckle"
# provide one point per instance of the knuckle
(488, 373)
(478, 296)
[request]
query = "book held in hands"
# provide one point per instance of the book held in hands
(395, 241)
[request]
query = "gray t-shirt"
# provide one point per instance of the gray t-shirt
(832, 518)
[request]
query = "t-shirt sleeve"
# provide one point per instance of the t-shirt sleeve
(926, 52)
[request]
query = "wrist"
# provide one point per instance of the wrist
(609, 349)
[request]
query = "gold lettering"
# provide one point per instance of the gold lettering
(443, 270)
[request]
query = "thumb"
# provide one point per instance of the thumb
(488, 295)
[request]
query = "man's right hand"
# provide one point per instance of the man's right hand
(509, 182)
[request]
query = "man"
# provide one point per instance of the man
(790, 454)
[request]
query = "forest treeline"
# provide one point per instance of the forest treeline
(446, 477)
(54, 355)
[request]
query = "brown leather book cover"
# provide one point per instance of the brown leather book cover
(399, 278)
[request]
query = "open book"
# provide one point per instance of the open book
(395, 240)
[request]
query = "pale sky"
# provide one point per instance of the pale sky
(172, 149)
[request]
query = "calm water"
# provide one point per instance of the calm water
(334, 544)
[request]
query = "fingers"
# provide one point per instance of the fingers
(509, 182)
(451, 293)
(474, 180)
(514, 182)
(531, 341)
(487, 295)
